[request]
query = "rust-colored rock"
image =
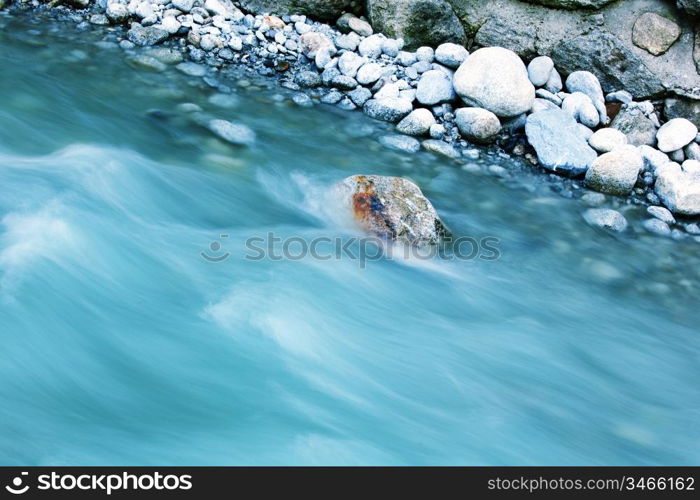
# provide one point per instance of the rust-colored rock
(393, 208)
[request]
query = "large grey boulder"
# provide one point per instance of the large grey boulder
(325, 10)
(615, 172)
(500, 32)
(616, 66)
(682, 108)
(391, 207)
(417, 22)
(559, 145)
(601, 43)
(495, 79)
(679, 188)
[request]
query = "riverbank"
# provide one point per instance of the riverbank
(519, 110)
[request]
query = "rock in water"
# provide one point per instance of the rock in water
(235, 133)
(495, 79)
(606, 218)
(615, 172)
(560, 147)
(679, 188)
(392, 208)
(145, 36)
(400, 142)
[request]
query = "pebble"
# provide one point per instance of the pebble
(619, 96)
(360, 96)
(371, 46)
(593, 199)
(146, 36)
(308, 79)
(477, 124)
(390, 110)
(418, 122)
(332, 97)
(661, 213)
(440, 147)
(391, 47)
(580, 106)
(607, 139)
(675, 134)
(349, 63)
(507, 92)
(369, 73)
(400, 143)
(587, 83)
(539, 70)
(117, 13)
(303, 100)
(656, 226)
(406, 58)
(359, 26)
(434, 87)
(344, 82)
(388, 90)
(451, 54)
(348, 42)
(183, 5)
(192, 69)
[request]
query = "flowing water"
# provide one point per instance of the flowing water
(122, 344)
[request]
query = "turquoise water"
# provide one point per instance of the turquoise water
(122, 345)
